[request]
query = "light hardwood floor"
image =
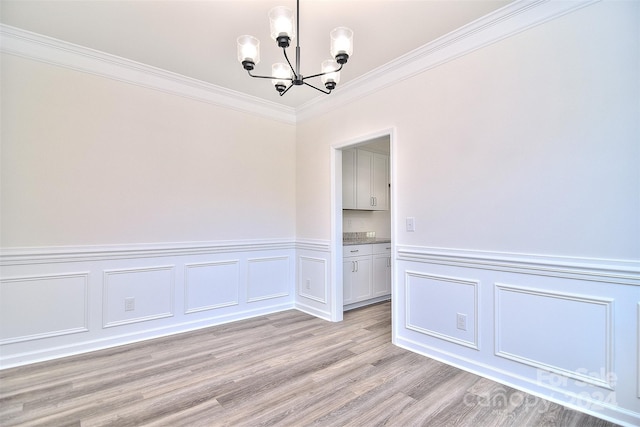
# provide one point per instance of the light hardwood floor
(284, 369)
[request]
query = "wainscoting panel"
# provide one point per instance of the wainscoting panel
(268, 278)
(566, 329)
(313, 290)
(576, 332)
(312, 278)
(150, 289)
(130, 293)
(61, 301)
(434, 303)
(211, 285)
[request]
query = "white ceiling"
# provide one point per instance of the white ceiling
(197, 39)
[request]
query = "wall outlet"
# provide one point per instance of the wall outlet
(129, 304)
(307, 284)
(461, 321)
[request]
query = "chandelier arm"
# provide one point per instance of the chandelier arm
(322, 74)
(284, 50)
(268, 77)
(317, 88)
(285, 91)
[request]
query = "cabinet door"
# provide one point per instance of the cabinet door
(362, 285)
(381, 275)
(372, 181)
(348, 273)
(380, 182)
(364, 162)
(349, 179)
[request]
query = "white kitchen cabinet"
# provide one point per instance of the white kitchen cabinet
(365, 180)
(366, 272)
(356, 273)
(349, 179)
(381, 275)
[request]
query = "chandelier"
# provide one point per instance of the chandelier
(285, 76)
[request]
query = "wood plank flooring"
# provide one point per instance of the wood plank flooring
(284, 369)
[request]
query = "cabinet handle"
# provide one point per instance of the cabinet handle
(357, 250)
(353, 266)
(356, 266)
(389, 248)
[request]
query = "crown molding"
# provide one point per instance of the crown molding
(504, 22)
(501, 24)
(26, 44)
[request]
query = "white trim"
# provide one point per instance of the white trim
(62, 254)
(105, 295)
(470, 282)
(313, 311)
(625, 272)
(609, 412)
(50, 353)
(45, 49)
(607, 303)
(250, 261)
(335, 282)
(190, 266)
(314, 245)
(502, 23)
(61, 332)
(301, 289)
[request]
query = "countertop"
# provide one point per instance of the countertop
(369, 241)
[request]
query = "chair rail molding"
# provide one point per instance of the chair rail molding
(626, 272)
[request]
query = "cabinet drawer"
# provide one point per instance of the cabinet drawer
(356, 250)
(382, 248)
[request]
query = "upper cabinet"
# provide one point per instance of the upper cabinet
(365, 180)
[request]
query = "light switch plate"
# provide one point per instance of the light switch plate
(411, 224)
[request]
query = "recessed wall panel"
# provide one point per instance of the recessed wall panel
(43, 306)
(268, 278)
(434, 304)
(562, 333)
(312, 278)
(211, 285)
(150, 288)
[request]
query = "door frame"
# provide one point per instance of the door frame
(336, 308)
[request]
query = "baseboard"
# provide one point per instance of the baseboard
(313, 311)
(136, 337)
(609, 413)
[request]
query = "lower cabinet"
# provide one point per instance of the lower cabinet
(382, 273)
(366, 272)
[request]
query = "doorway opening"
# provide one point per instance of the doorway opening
(362, 222)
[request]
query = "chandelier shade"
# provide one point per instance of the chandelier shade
(341, 44)
(283, 29)
(248, 50)
(330, 77)
(281, 24)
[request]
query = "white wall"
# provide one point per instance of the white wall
(519, 162)
(528, 145)
(91, 161)
(111, 191)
